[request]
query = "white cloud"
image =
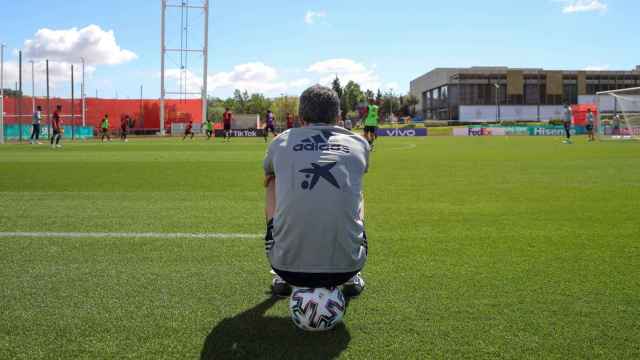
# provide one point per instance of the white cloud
(596, 68)
(347, 70)
(252, 77)
(94, 44)
(574, 6)
(311, 16)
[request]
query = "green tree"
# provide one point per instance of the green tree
(369, 94)
(411, 101)
(258, 104)
(283, 105)
(379, 95)
(352, 96)
(337, 87)
(241, 101)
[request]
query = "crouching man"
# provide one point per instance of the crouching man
(314, 204)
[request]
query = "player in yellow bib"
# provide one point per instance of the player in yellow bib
(371, 119)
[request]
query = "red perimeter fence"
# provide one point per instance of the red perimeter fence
(146, 112)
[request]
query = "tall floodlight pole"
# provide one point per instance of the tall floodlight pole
(2, 93)
(73, 114)
(33, 87)
(83, 96)
(19, 95)
(205, 61)
(162, 65)
(497, 86)
(48, 101)
(184, 7)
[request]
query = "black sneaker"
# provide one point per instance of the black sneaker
(353, 287)
(280, 287)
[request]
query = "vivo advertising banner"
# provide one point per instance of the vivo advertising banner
(402, 132)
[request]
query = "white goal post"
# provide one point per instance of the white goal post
(619, 114)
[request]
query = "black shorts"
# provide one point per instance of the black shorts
(315, 280)
(188, 132)
(227, 127)
(589, 127)
(308, 280)
(269, 127)
(370, 129)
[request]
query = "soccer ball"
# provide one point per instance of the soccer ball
(318, 309)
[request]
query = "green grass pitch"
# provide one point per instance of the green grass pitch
(503, 247)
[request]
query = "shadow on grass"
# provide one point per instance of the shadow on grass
(252, 335)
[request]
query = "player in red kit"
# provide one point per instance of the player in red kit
(56, 126)
(227, 117)
(188, 131)
(289, 121)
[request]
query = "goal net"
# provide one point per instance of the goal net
(619, 114)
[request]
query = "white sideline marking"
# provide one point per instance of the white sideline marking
(404, 147)
(127, 235)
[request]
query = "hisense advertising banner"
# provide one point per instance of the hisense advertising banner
(547, 130)
(402, 132)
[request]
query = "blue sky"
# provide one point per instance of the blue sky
(283, 46)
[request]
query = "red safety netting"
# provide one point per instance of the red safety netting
(146, 113)
(580, 113)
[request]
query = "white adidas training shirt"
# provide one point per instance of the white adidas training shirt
(318, 223)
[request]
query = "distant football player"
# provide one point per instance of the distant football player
(227, 118)
(616, 125)
(289, 121)
(56, 127)
(104, 128)
(589, 126)
(371, 119)
(124, 127)
(269, 125)
(209, 129)
(567, 120)
(188, 131)
(35, 132)
(314, 203)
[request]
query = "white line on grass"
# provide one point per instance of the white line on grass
(404, 147)
(153, 235)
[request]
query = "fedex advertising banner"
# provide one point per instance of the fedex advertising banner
(478, 131)
(406, 132)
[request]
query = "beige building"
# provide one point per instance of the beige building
(480, 94)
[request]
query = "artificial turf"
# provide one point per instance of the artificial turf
(482, 247)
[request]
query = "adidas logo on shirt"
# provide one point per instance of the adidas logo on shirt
(319, 143)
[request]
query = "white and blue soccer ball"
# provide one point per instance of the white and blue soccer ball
(318, 309)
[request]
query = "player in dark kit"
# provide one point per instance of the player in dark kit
(289, 121)
(188, 130)
(56, 126)
(124, 127)
(269, 125)
(227, 117)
